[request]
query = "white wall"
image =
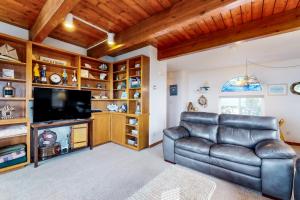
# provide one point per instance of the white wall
(158, 88)
(286, 107)
(24, 34)
(216, 66)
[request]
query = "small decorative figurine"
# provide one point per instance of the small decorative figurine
(102, 76)
(138, 109)
(64, 77)
(191, 107)
(8, 90)
(74, 78)
(7, 112)
(99, 85)
(36, 73)
(136, 95)
(123, 108)
(43, 74)
(124, 95)
(103, 67)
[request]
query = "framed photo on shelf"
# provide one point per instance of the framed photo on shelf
(277, 89)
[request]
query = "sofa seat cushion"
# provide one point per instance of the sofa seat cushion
(236, 167)
(192, 155)
(194, 144)
(235, 153)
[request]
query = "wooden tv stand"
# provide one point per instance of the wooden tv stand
(37, 126)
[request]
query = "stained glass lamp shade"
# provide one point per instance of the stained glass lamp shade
(242, 84)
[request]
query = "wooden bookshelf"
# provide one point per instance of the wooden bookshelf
(19, 101)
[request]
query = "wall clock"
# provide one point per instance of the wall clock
(55, 79)
(202, 101)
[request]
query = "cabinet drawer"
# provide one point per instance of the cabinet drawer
(79, 145)
(79, 135)
(80, 126)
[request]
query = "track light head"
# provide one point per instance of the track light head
(110, 38)
(68, 23)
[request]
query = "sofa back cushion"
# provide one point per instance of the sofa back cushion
(246, 130)
(201, 124)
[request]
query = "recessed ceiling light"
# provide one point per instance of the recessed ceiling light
(68, 23)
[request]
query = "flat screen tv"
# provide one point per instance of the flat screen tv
(58, 104)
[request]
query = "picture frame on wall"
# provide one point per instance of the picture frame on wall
(173, 90)
(278, 89)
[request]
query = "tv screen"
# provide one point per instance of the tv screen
(58, 104)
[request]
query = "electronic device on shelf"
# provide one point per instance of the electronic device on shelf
(59, 104)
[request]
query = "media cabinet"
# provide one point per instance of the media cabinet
(107, 126)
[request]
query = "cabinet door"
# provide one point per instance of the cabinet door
(118, 128)
(101, 128)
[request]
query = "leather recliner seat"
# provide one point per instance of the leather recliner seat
(242, 149)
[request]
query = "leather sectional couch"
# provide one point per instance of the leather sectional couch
(242, 149)
(297, 181)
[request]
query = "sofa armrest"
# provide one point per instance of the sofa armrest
(274, 149)
(176, 133)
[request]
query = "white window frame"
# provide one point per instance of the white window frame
(242, 96)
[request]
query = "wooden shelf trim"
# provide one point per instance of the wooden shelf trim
(53, 65)
(12, 99)
(12, 63)
(95, 70)
(94, 79)
(12, 80)
(13, 121)
(53, 86)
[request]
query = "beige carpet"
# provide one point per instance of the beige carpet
(109, 172)
(177, 183)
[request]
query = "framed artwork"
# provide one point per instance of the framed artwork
(173, 90)
(277, 89)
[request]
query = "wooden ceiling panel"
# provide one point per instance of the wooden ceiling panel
(291, 4)
(227, 18)
(257, 9)
(280, 6)
(21, 13)
(246, 12)
(268, 8)
(237, 16)
(82, 35)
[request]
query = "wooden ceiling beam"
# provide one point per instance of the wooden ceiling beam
(51, 15)
(165, 20)
(276, 24)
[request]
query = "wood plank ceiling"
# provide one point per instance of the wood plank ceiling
(118, 16)
(251, 11)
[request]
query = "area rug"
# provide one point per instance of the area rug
(176, 183)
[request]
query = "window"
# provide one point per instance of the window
(252, 105)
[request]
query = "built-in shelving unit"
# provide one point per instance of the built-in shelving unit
(20, 82)
(110, 83)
